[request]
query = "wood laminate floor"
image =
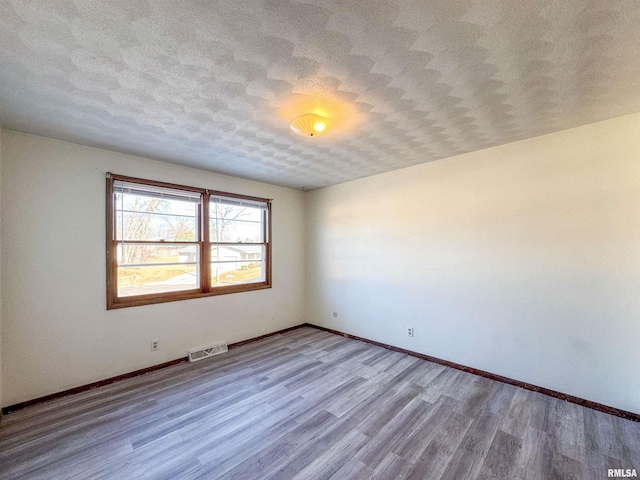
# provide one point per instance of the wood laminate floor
(308, 404)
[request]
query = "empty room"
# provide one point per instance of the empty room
(329, 239)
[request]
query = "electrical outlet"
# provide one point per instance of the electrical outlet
(154, 345)
(409, 331)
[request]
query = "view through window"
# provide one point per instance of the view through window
(169, 242)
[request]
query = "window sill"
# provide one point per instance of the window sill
(140, 300)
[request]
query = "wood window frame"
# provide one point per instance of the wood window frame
(203, 242)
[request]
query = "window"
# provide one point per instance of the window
(170, 242)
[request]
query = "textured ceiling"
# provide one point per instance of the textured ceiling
(213, 84)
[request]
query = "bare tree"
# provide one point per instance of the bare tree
(224, 216)
(180, 229)
(137, 225)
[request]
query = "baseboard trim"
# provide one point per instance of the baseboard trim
(90, 386)
(266, 335)
(535, 388)
(118, 378)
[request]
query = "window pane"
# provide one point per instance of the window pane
(155, 241)
(145, 269)
(232, 223)
(234, 264)
(143, 217)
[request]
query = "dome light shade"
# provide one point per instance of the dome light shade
(310, 125)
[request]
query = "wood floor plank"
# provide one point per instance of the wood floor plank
(343, 386)
(567, 468)
(391, 467)
(427, 372)
(326, 464)
(415, 442)
(627, 441)
(410, 375)
(309, 404)
(388, 437)
(461, 385)
(503, 396)
(540, 411)
(305, 455)
(353, 470)
(255, 436)
(599, 440)
(470, 454)
(341, 405)
(503, 459)
(480, 390)
(386, 412)
(516, 418)
(440, 447)
(568, 430)
(275, 455)
(439, 384)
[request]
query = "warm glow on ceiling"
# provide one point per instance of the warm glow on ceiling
(333, 116)
(310, 125)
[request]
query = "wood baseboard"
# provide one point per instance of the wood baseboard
(100, 383)
(90, 386)
(535, 388)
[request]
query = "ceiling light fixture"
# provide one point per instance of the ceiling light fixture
(310, 125)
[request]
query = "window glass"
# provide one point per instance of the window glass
(156, 251)
(233, 264)
(233, 223)
(150, 218)
(147, 269)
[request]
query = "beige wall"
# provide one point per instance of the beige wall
(522, 260)
(57, 332)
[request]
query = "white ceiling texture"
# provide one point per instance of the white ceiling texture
(214, 84)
